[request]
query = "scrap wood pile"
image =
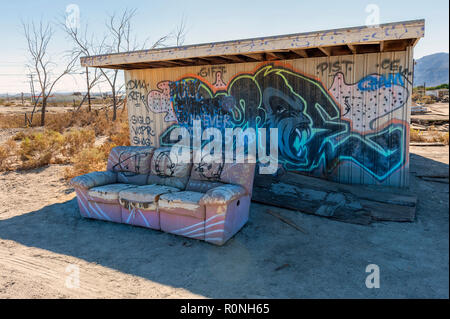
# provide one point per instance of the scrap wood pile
(357, 204)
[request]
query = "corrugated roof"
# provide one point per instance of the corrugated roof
(356, 40)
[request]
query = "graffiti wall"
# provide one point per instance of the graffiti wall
(341, 118)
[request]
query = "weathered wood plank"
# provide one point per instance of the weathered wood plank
(348, 203)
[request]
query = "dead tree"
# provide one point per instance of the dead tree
(180, 32)
(121, 39)
(38, 37)
(84, 45)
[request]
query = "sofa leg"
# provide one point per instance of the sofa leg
(224, 221)
(141, 217)
(83, 203)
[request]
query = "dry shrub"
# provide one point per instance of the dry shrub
(427, 99)
(439, 137)
(88, 160)
(95, 158)
(38, 149)
(445, 138)
(3, 156)
(121, 135)
(417, 136)
(7, 152)
(68, 138)
(12, 120)
(76, 140)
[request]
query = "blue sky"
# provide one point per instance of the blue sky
(209, 21)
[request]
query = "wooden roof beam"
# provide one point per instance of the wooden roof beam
(255, 56)
(326, 51)
(213, 60)
(233, 58)
(274, 56)
(352, 48)
(178, 63)
(301, 53)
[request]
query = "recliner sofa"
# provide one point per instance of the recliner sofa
(147, 187)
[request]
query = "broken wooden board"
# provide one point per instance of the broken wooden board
(356, 204)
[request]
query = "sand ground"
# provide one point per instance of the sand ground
(42, 237)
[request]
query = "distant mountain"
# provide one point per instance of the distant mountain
(431, 69)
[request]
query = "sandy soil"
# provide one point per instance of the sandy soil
(41, 234)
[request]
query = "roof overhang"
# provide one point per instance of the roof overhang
(388, 37)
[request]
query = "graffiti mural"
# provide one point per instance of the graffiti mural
(319, 128)
(159, 101)
(371, 98)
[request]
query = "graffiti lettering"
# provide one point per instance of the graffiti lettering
(375, 100)
(334, 67)
(137, 92)
(211, 71)
(141, 130)
(374, 82)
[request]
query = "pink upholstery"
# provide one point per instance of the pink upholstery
(108, 194)
(148, 187)
(131, 159)
(141, 217)
(183, 203)
(168, 170)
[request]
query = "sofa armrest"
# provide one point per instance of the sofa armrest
(223, 195)
(94, 179)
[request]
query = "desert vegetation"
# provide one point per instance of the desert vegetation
(429, 136)
(82, 141)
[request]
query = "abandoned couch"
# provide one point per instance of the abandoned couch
(144, 186)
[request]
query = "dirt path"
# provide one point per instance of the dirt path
(30, 272)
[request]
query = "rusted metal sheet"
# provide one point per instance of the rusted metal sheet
(349, 114)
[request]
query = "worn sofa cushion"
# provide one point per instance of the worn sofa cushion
(146, 194)
(183, 203)
(168, 170)
(132, 178)
(227, 173)
(165, 164)
(201, 186)
(223, 195)
(108, 193)
(130, 159)
(94, 179)
(178, 182)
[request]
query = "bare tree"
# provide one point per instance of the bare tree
(38, 37)
(180, 32)
(119, 38)
(84, 45)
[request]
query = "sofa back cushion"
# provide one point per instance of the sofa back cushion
(169, 170)
(201, 186)
(223, 173)
(131, 163)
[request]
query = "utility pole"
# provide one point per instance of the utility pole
(88, 89)
(33, 98)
